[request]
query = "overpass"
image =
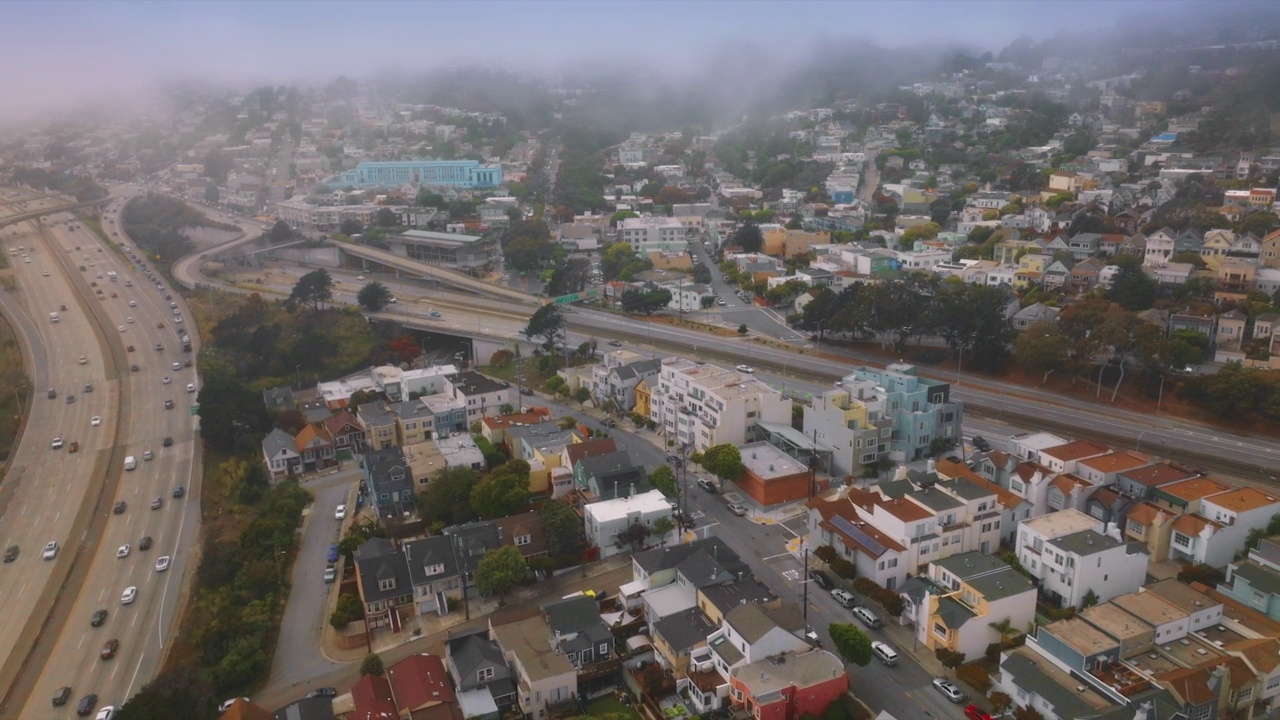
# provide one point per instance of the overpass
(33, 214)
(455, 279)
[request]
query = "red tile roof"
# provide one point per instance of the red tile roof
(589, 448)
(1157, 474)
(371, 696)
(1075, 450)
(419, 681)
(530, 416)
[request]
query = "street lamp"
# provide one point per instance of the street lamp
(1160, 397)
(818, 338)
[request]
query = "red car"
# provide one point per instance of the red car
(973, 712)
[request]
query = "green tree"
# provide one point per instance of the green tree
(662, 527)
(950, 659)
(742, 329)
(313, 289)
(1131, 288)
(280, 232)
(723, 461)
(351, 227)
(564, 531)
(664, 479)
(500, 571)
(374, 296)
(1090, 599)
(386, 217)
(1042, 349)
(619, 216)
(505, 491)
(646, 302)
(581, 395)
(1259, 223)
(347, 608)
(447, 498)
(554, 383)
(852, 644)
(372, 664)
(547, 323)
(748, 237)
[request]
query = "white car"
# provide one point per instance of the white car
(95, 421)
(46, 273)
(129, 595)
(191, 387)
(165, 380)
(162, 564)
(106, 713)
(133, 303)
(340, 512)
(359, 277)
(123, 552)
(948, 688)
(57, 443)
(50, 550)
(123, 328)
(177, 366)
(129, 320)
(745, 369)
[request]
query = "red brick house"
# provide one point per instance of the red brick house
(788, 686)
(771, 477)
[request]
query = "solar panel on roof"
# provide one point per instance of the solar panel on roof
(857, 534)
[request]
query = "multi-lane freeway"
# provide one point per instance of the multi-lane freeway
(104, 330)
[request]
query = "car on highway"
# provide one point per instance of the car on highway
(435, 313)
(168, 441)
(157, 503)
(191, 387)
(122, 328)
(179, 491)
(88, 387)
(330, 573)
(162, 563)
(821, 579)
(159, 347)
(738, 509)
(129, 319)
(615, 343)
(168, 404)
(84, 360)
(86, 704)
(745, 369)
(11, 553)
(129, 595)
(99, 617)
(340, 512)
(50, 550)
(96, 420)
(177, 366)
(145, 543)
(133, 303)
(106, 713)
(147, 455)
(109, 649)
(61, 697)
(165, 380)
(122, 552)
(57, 443)
(51, 393)
(74, 447)
(119, 507)
(948, 688)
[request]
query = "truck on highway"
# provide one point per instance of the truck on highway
(186, 343)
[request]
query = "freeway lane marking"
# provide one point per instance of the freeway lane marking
(83, 637)
(129, 690)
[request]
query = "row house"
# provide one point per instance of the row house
(1220, 528)
(546, 681)
(1255, 580)
(790, 686)
(921, 409)
(1067, 553)
(964, 598)
(310, 450)
(700, 405)
(615, 378)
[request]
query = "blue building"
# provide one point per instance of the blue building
(465, 174)
(920, 409)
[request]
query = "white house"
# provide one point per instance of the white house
(1213, 535)
(604, 520)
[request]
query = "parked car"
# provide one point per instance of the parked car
(330, 573)
(821, 579)
(327, 692)
(333, 554)
(738, 509)
(981, 443)
(707, 485)
(973, 712)
(844, 597)
(948, 688)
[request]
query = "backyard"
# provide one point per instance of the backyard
(610, 705)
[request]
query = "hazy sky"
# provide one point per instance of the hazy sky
(60, 54)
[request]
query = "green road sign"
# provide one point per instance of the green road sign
(591, 294)
(195, 409)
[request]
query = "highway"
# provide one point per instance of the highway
(133, 421)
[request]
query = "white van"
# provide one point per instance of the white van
(884, 653)
(867, 617)
(53, 318)
(130, 462)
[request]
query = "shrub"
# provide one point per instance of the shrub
(825, 553)
(1201, 574)
(975, 677)
(887, 599)
(843, 568)
(348, 608)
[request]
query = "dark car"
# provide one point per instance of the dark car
(526, 391)
(325, 692)
(11, 553)
(609, 422)
(981, 443)
(99, 617)
(134, 368)
(168, 404)
(333, 553)
(821, 579)
(118, 508)
(109, 649)
(179, 491)
(145, 543)
(87, 704)
(168, 441)
(61, 697)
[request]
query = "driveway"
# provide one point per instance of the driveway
(297, 655)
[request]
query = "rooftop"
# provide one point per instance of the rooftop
(1242, 499)
(1075, 450)
(1150, 607)
(1036, 674)
(1194, 488)
(769, 463)
(1156, 474)
(1063, 522)
(1084, 543)
(1116, 462)
(643, 504)
(1181, 595)
(528, 640)
(1116, 621)
(1080, 636)
(802, 670)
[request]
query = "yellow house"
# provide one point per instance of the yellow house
(1216, 244)
(1030, 269)
(1270, 256)
(379, 425)
(643, 393)
(789, 243)
(676, 636)
(1006, 251)
(976, 592)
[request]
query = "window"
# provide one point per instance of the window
(940, 630)
(524, 539)
(387, 584)
(604, 650)
(485, 674)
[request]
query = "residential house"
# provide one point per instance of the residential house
(1009, 509)
(1032, 314)
(421, 689)
(616, 377)
(969, 594)
(379, 424)
(1203, 610)
(524, 532)
(1174, 273)
(471, 540)
(434, 574)
(1152, 526)
(790, 686)
(702, 405)
(280, 453)
(315, 447)
(1218, 530)
(1269, 250)
(307, 708)
(752, 632)
(679, 635)
(612, 525)
(1066, 457)
(1036, 681)
(390, 482)
(382, 576)
(480, 394)
(347, 433)
(278, 399)
(485, 684)
(1084, 245)
(371, 699)
(1086, 275)
(1255, 580)
(546, 682)
(921, 409)
(1235, 276)
(850, 423)
(614, 476)
(838, 522)
(1159, 248)
(579, 633)
(1231, 328)
(1135, 245)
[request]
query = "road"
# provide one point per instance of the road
(737, 311)
(131, 405)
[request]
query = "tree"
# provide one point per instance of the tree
(500, 570)
(949, 658)
(372, 664)
(646, 302)
(564, 531)
(174, 693)
(1026, 712)
(1041, 349)
(662, 527)
(447, 498)
(852, 644)
(350, 227)
(619, 262)
(723, 461)
(374, 296)
(634, 535)
(211, 194)
(742, 329)
(313, 289)
(1131, 288)
(280, 232)
(554, 383)
(1090, 599)
(748, 237)
(1000, 702)
(347, 608)
(546, 323)
(975, 677)
(581, 395)
(664, 479)
(504, 492)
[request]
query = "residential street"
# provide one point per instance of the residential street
(735, 310)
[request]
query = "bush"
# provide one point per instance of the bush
(1202, 574)
(843, 568)
(348, 608)
(825, 553)
(372, 665)
(975, 677)
(887, 599)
